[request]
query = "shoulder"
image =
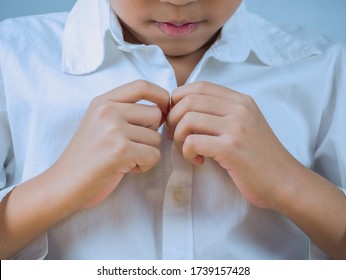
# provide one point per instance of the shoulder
(22, 32)
(312, 37)
(294, 43)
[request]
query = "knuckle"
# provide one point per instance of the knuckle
(189, 118)
(201, 86)
(190, 143)
(245, 107)
(157, 113)
(248, 100)
(157, 139)
(151, 161)
(101, 108)
(178, 134)
(248, 113)
(104, 111)
(183, 127)
(121, 147)
(232, 141)
(156, 156)
(142, 85)
(115, 130)
(96, 101)
(190, 101)
(154, 120)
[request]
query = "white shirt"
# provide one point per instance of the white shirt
(53, 65)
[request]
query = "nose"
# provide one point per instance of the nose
(178, 2)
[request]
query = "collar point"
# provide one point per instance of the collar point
(78, 69)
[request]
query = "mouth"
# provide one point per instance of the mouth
(177, 29)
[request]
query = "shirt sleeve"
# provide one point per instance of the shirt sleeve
(6, 155)
(330, 154)
(37, 249)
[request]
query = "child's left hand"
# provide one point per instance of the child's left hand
(209, 120)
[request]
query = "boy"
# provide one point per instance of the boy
(177, 130)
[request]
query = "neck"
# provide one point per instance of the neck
(184, 65)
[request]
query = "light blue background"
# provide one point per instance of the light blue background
(326, 16)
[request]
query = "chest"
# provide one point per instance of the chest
(45, 115)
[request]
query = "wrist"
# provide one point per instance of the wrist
(55, 193)
(291, 188)
(300, 190)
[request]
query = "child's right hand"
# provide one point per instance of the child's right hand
(116, 136)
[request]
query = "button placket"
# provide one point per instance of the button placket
(177, 239)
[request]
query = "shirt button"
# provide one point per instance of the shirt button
(179, 195)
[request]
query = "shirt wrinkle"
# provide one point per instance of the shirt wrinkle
(175, 210)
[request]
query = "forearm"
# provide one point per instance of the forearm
(29, 211)
(319, 209)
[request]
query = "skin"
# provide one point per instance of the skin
(139, 20)
(236, 135)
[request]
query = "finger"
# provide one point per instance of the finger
(133, 156)
(198, 123)
(144, 157)
(142, 115)
(139, 90)
(197, 146)
(202, 88)
(207, 104)
(143, 135)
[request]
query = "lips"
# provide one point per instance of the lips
(176, 29)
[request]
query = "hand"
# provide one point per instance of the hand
(209, 120)
(116, 136)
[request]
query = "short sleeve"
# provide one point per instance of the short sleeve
(38, 248)
(6, 154)
(330, 154)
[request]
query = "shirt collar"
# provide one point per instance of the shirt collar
(84, 36)
(245, 33)
(90, 23)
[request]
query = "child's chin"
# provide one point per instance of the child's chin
(179, 50)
